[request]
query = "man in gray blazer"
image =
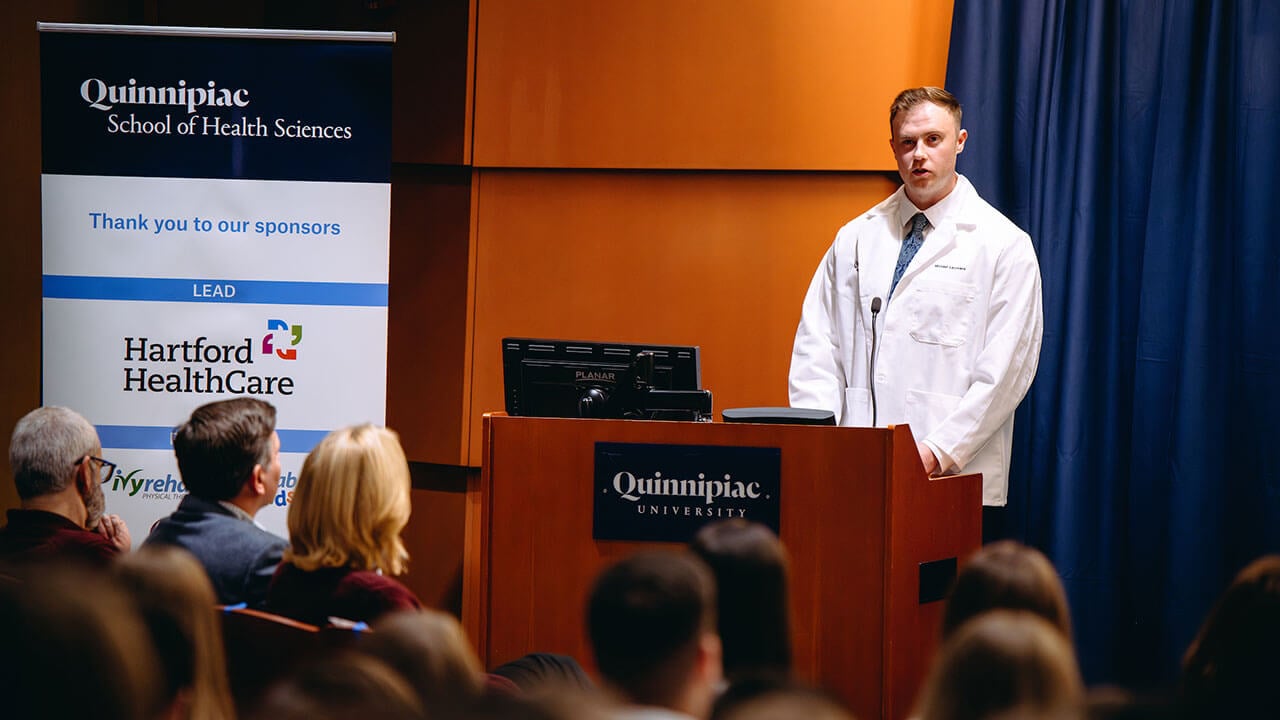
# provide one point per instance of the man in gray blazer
(229, 457)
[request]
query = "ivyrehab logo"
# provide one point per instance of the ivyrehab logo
(140, 484)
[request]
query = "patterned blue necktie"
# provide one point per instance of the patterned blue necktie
(910, 245)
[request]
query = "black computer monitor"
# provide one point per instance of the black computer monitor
(568, 378)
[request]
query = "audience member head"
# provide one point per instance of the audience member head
(782, 701)
(1001, 661)
(1231, 668)
(176, 600)
(545, 672)
(228, 450)
(72, 646)
(340, 687)
(651, 622)
(1108, 702)
(544, 706)
(351, 503)
(750, 568)
(54, 455)
(431, 651)
(1007, 575)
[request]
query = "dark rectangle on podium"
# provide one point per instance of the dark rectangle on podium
(665, 493)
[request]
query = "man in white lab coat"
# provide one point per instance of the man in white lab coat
(926, 309)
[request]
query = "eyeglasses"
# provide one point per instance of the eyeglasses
(107, 469)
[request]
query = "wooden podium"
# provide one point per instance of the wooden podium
(860, 519)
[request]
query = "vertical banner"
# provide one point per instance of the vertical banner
(216, 218)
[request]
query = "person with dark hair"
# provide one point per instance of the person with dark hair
(1002, 664)
(341, 687)
(431, 651)
(54, 455)
(750, 568)
(73, 646)
(541, 706)
(229, 457)
(541, 672)
(1009, 575)
(784, 700)
(1109, 702)
(1231, 668)
(944, 289)
(652, 626)
(176, 601)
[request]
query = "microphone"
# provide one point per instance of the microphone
(871, 369)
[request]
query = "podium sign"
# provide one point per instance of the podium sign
(665, 493)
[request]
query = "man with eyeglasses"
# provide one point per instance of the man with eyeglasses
(55, 457)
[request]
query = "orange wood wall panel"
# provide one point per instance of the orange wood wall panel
(711, 259)
(428, 310)
(434, 538)
(714, 84)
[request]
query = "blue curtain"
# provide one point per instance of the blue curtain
(1139, 143)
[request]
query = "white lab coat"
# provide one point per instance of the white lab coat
(958, 342)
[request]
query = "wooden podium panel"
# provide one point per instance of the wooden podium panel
(858, 516)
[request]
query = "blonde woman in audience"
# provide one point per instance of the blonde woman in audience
(431, 651)
(1008, 575)
(176, 601)
(999, 662)
(351, 503)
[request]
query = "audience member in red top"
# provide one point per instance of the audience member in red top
(55, 458)
(351, 503)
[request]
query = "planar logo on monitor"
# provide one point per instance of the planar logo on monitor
(593, 375)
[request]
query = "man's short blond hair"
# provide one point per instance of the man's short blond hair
(911, 97)
(351, 503)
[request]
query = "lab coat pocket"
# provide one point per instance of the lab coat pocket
(942, 312)
(926, 410)
(857, 408)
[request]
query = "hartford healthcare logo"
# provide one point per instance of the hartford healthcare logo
(282, 339)
(212, 365)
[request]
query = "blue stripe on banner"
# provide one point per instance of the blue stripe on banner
(133, 437)
(300, 441)
(262, 292)
(150, 437)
